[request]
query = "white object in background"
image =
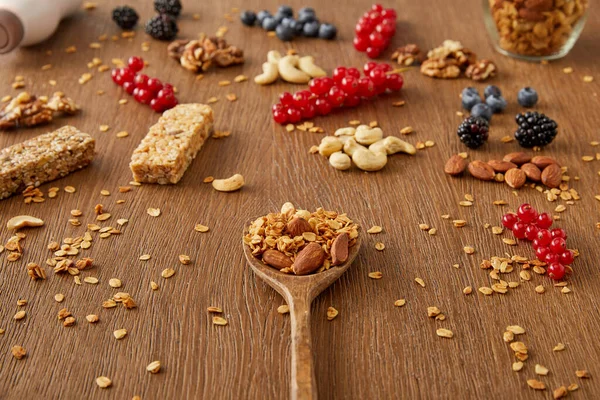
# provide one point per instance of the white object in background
(26, 22)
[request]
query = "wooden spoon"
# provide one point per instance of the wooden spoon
(299, 292)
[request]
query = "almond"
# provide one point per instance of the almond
(297, 226)
(515, 178)
(481, 170)
(552, 176)
(543, 161)
(456, 165)
(339, 249)
(539, 5)
(531, 15)
(309, 259)
(276, 259)
(533, 172)
(501, 166)
(517, 158)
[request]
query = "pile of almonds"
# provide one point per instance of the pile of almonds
(514, 169)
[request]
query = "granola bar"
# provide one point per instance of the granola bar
(172, 143)
(44, 158)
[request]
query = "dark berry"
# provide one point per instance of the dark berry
(306, 10)
(248, 18)
(279, 17)
(125, 17)
(284, 32)
(311, 29)
(269, 23)
(162, 27)
(473, 132)
(285, 10)
(327, 31)
(470, 91)
(496, 103)
(169, 7)
(535, 129)
(527, 97)
(470, 99)
(260, 17)
(297, 27)
(491, 90)
(482, 110)
(307, 17)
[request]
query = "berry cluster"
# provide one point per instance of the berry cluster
(550, 245)
(535, 129)
(164, 25)
(473, 132)
(145, 90)
(374, 30)
(345, 89)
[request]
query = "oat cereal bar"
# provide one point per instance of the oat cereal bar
(172, 143)
(44, 158)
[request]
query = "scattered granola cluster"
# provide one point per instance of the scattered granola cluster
(451, 59)
(26, 110)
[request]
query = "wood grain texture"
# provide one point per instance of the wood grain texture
(372, 350)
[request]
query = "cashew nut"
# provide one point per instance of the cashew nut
(23, 221)
(273, 57)
(394, 145)
(288, 207)
(230, 184)
(367, 135)
(289, 72)
(369, 161)
(341, 161)
(378, 147)
(269, 75)
(344, 138)
(349, 131)
(329, 145)
(307, 64)
(350, 146)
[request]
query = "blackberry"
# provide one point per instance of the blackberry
(125, 17)
(170, 7)
(162, 27)
(535, 129)
(473, 132)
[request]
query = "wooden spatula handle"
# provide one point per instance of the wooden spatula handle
(303, 384)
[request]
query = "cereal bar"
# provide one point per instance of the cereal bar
(172, 143)
(44, 158)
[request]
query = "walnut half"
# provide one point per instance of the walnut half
(481, 70)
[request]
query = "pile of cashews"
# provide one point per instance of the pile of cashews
(364, 146)
(291, 68)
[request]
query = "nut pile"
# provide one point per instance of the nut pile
(349, 145)
(200, 54)
(451, 59)
(27, 110)
(291, 68)
(300, 242)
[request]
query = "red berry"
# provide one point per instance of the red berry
(366, 88)
(129, 87)
(377, 76)
(301, 98)
(169, 87)
(317, 86)
(527, 213)
(363, 29)
(294, 115)
(541, 253)
(375, 17)
(353, 72)
(167, 99)
(115, 73)
(309, 111)
(144, 96)
(373, 52)
(386, 27)
(360, 43)
(135, 63)
(558, 245)
(558, 233)
(156, 105)
(352, 100)
(389, 13)
(531, 232)
(519, 230)
(535, 243)
(349, 84)
(280, 116)
(338, 74)
(567, 257)
(544, 237)
(544, 220)
(377, 39)
(384, 67)
(154, 85)
(394, 81)
(141, 81)
(556, 271)
(323, 106)
(551, 257)
(336, 96)
(127, 75)
(286, 99)
(509, 220)
(369, 66)
(377, 7)
(276, 106)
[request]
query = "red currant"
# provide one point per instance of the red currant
(377, 76)
(280, 116)
(317, 86)
(375, 17)
(366, 88)
(301, 98)
(353, 72)
(377, 39)
(338, 74)
(394, 81)
(115, 74)
(286, 98)
(389, 13)
(558, 233)
(129, 87)
(369, 66)
(531, 232)
(544, 220)
(156, 105)
(360, 43)
(363, 29)
(323, 106)
(336, 96)
(385, 29)
(556, 271)
(276, 106)
(558, 245)
(351, 100)
(508, 220)
(535, 243)
(541, 253)
(567, 257)
(349, 84)
(526, 213)
(169, 87)
(141, 81)
(519, 230)
(551, 257)
(135, 63)
(294, 115)
(373, 52)
(384, 67)
(144, 96)
(309, 111)
(167, 99)
(377, 7)
(544, 237)
(154, 85)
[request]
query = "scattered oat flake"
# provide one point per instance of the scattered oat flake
(154, 212)
(145, 257)
(573, 387)
(517, 366)
(70, 189)
(122, 134)
(105, 192)
(565, 290)
(486, 290)
(104, 128)
(91, 280)
(208, 179)
(582, 373)
(465, 203)
(379, 246)
(122, 221)
(400, 302)
(568, 70)
(540, 289)
(331, 313)
(283, 309)
(541, 370)
(375, 229)
(375, 275)
(59, 297)
(420, 281)
(201, 228)
(19, 315)
(516, 329)
(469, 250)
(240, 78)
(120, 334)
(407, 130)
(103, 382)
(219, 321)
(468, 290)
(114, 283)
(153, 367)
(588, 78)
(92, 318)
(535, 384)
(212, 100)
(167, 273)
(445, 333)
(559, 392)
(18, 352)
(559, 347)
(509, 241)
(154, 285)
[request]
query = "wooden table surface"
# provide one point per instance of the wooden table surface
(372, 350)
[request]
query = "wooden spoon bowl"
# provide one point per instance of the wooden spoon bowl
(299, 292)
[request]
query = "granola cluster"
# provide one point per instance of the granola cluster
(536, 27)
(27, 110)
(451, 58)
(408, 55)
(199, 55)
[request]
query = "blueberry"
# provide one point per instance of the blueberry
(284, 32)
(496, 103)
(490, 90)
(296, 27)
(327, 31)
(470, 91)
(527, 97)
(306, 10)
(248, 17)
(279, 17)
(269, 24)
(260, 17)
(286, 11)
(470, 99)
(311, 29)
(482, 110)
(307, 17)
(287, 21)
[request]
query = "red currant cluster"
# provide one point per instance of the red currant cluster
(374, 30)
(145, 90)
(550, 245)
(345, 89)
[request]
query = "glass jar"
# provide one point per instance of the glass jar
(535, 29)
